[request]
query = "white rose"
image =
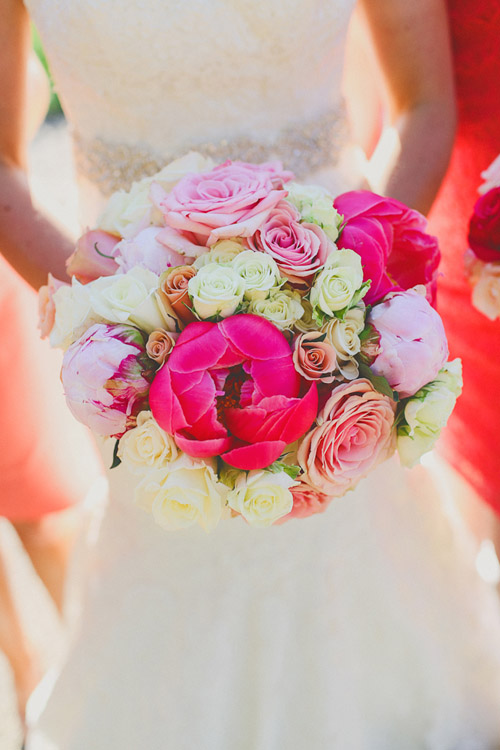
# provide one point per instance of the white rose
(128, 298)
(126, 211)
(223, 253)
(343, 335)
(340, 284)
(427, 413)
(73, 316)
(147, 446)
(486, 290)
(262, 497)
(316, 207)
(259, 272)
(216, 290)
(185, 493)
(283, 308)
(306, 322)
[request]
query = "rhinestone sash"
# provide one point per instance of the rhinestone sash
(304, 148)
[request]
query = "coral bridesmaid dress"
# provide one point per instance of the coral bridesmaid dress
(470, 442)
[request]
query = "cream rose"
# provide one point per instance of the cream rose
(306, 322)
(259, 272)
(146, 446)
(128, 298)
(184, 494)
(486, 290)
(283, 308)
(216, 290)
(316, 207)
(339, 285)
(73, 314)
(262, 497)
(343, 335)
(128, 211)
(427, 413)
(223, 253)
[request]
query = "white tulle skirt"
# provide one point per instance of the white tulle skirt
(365, 628)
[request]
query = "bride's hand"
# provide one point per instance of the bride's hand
(28, 240)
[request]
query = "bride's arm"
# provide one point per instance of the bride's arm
(28, 240)
(412, 45)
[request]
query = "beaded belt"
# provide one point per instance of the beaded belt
(304, 148)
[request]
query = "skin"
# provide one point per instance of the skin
(411, 45)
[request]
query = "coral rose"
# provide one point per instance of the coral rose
(354, 434)
(395, 249)
(314, 357)
(232, 200)
(306, 502)
(231, 389)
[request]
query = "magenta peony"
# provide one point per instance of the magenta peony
(232, 200)
(94, 256)
(396, 251)
(412, 345)
(103, 376)
(354, 434)
(299, 249)
(484, 227)
(231, 389)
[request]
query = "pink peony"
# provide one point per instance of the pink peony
(306, 502)
(232, 200)
(231, 389)
(299, 249)
(95, 256)
(396, 251)
(103, 376)
(354, 434)
(46, 306)
(148, 250)
(413, 345)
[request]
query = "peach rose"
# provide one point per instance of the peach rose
(355, 433)
(173, 292)
(46, 305)
(160, 344)
(314, 357)
(306, 502)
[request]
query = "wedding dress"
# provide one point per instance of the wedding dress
(365, 628)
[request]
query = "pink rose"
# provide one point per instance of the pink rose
(413, 346)
(95, 256)
(354, 434)
(299, 249)
(314, 357)
(232, 200)
(231, 389)
(103, 376)
(46, 306)
(147, 249)
(306, 502)
(396, 251)
(484, 227)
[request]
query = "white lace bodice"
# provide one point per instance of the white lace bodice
(161, 77)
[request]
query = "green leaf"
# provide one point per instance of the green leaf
(290, 469)
(378, 381)
(116, 459)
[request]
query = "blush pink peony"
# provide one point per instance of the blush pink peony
(412, 344)
(299, 249)
(94, 256)
(148, 250)
(232, 200)
(355, 433)
(103, 376)
(231, 389)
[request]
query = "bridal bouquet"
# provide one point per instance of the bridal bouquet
(253, 346)
(482, 259)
